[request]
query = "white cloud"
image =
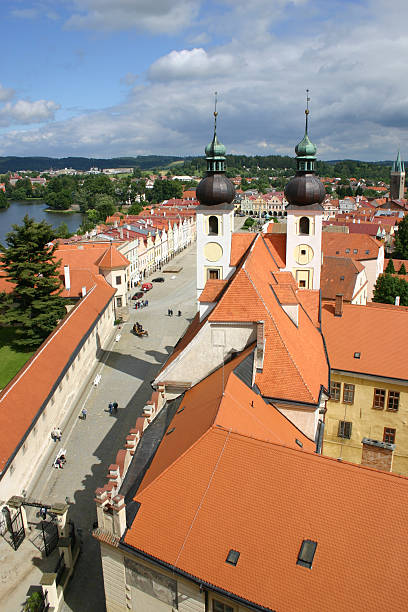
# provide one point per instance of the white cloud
(194, 64)
(24, 112)
(129, 79)
(353, 65)
(158, 16)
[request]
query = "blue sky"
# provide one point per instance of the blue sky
(103, 78)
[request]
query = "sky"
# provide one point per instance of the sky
(107, 78)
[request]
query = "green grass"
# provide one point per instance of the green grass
(11, 361)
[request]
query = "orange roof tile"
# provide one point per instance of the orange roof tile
(277, 246)
(339, 275)
(239, 245)
(224, 490)
(112, 259)
(22, 399)
(334, 244)
(355, 332)
(212, 290)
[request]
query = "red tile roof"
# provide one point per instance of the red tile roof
(220, 481)
(23, 398)
(240, 243)
(334, 244)
(339, 275)
(112, 259)
(212, 290)
(249, 297)
(356, 331)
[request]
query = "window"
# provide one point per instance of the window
(355, 250)
(357, 355)
(302, 283)
(119, 302)
(379, 399)
(307, 553)
(232, 557)
(118, 280)
(389, 435)
(304, 226)
(213, 274)
(218, 606)
(303, 251)
(335, 390)
(213, 226)
(347, 250)
(344, 429)
(348, 394)
(393, 400)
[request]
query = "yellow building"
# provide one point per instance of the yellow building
(368, 349)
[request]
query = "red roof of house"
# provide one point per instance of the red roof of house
(339, 275)
(112, 259)
(239, 245)
(356, 331)
(229, 475)
(357, 246)
(212, 290)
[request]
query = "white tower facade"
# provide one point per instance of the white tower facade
(214, 231)
(215, 217)
(305, 194)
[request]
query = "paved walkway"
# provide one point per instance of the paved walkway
(127, 369)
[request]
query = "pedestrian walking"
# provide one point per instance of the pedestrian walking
(171, 312)
(168, 312)
(179, 313)
(115, 407)
(110, 407)
(147, 302)
(43, 513)
(84, 412)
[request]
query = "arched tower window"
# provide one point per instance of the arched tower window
(213, 226)
(304, 226)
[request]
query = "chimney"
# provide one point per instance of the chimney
(67, 278)
(378, 455)
(338, 308)
(397, 300)
(260, 345)
(83, 291)
(121, 233)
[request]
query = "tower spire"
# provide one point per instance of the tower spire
(215, 151)
(215, 112)
(307, 110)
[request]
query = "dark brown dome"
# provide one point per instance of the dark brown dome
(215, 189)
(305, 190)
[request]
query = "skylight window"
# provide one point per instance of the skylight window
(307, 553)
(170, 431)
(299, 443)
(341, 277)
(180, 409)
(357, 355)
(233, 557)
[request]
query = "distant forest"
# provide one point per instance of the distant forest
(236, 164)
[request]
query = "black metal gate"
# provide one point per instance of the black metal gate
(50, 536)
(15, 533)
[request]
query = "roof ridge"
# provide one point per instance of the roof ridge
(278, 331)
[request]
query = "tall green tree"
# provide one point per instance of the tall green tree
(402, 269)
(390, 267)
(4, 203)
(401, 239)
(29, 263)
(388, 287)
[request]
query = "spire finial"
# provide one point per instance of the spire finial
(215, 112)
(307, 109)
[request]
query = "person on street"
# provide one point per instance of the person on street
(179, 313)
(84, 412)
(110, 407)
(115, 407)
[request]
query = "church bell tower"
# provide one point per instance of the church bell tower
(305, 194)
(215, 216)
(397, 179)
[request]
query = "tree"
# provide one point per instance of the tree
(390, 267)
(105, 205)
(29, 263)
(137, 173)
(4, 203)
(62, 231)
(388, 287)
(135, 209)
(401, 240)
(402, 269)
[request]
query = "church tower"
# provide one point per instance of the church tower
(305, 194)
(215, 216)
(397, 179)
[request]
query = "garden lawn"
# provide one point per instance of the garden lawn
(11, 361)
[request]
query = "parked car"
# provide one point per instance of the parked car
(137, 295)
(159, 279)
(147, 286)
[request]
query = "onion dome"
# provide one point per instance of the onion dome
(398, 165)
(215, 187)
(305, 189)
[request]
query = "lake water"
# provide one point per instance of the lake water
(15, 213)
